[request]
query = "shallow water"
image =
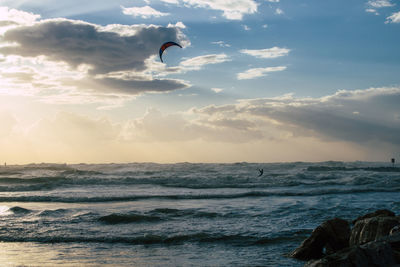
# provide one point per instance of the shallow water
(147, 214)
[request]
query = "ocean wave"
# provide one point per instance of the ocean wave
(344, 168)
(53, 183)
(19, 210)
(149, 239)
(304, 192)
(34, 180)
(128, 218)
(186, 212)
(156, 215)
(80, 172)
(197, 176)
(53, 213)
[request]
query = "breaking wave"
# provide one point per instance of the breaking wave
(250, 194)
(156, 215)
(148, 239)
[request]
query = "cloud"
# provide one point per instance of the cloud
(179, 24)
(14, 16)
(273, 52)
(171, 1)
(394, 18)
(157, 69)
(380, 3)
(81, 129)
(221, 44)
(279, 11)
(360, 116)
(11, 18)
(197, 63)
(258, 72)
(373, 5)
(157, 127)
(232, 9)
(76, 43)
(145, 12)
(371, 10)
(347, 125)
(246, 28)
(217, 90)
(87, 56)
(136, 87)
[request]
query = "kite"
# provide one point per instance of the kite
(165, 46)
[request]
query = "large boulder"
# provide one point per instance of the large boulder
(371, 229)
(370, 254)
(378, 213)
(333, 235)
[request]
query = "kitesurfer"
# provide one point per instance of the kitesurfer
(261, 172)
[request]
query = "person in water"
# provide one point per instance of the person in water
(261, 172)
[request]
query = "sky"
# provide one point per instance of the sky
(255, 81)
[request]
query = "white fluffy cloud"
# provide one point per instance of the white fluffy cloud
(380, 3)
(373, 5)
(371, 10)
(197, 63)
(221, 44)
(11, 15)
(145, 12)
(279, 11)
(394, 18)
(232, 9)
(217, 90)
(258, 72)
(273, 52)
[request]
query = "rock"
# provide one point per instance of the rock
(370, 254)
(371, 229)
(394, 241)
(378, 213)
(395, 230)
(373, 241)
(333, 235)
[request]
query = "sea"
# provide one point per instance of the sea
(183, 214)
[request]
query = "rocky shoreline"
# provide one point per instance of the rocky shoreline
(374, 240)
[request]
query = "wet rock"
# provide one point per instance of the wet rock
(371, 229)
(378, 213)
(333, 235)
(394, 241)
(371, 254)
(373, 241)
(395, 230)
